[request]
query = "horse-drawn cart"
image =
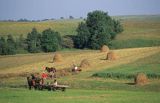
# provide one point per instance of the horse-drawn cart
(54, 88)
(38, 84)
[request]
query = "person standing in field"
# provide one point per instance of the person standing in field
(44, 75)
(55, 83)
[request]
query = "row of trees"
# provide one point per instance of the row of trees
(97, 30)
(7, 46)
(47, 41)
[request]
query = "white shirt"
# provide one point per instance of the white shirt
(76, 68)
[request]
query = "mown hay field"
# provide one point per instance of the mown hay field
(82, 87)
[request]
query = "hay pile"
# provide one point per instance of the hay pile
(84, 63)
(104, 48)
(111, 56)
(57, 57)
(140, 79)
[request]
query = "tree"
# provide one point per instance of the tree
(11, 45)
(67, 42)
(101, 29)
(82, 38)
(51, 40)
(61, 17)
(71, 17)
(21, 44)
(34, 41)
(3, 46)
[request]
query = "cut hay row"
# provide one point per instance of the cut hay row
(95, 59)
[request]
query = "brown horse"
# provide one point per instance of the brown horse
(50, 69)
(51, 72)
(35, 82)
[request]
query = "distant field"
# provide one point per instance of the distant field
(139, 31)
(65, 27)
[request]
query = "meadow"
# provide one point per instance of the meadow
(84, 86)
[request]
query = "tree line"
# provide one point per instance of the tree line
(97, 30)
(47, 41)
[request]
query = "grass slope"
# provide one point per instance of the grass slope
(148, 65)
(139, 31)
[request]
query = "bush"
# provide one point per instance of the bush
(67, 42)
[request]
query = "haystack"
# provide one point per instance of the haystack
(111, 56)
(57, 57)
(104, 48)
(140, 79)
(84, 63)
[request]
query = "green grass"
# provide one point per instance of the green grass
(148, 65)
(77, 96)
(132, 43)
(139, 31)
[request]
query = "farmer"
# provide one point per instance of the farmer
(55, 83)
(75, 68)
(44, 75)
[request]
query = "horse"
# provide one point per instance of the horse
(35, 82)
(50, 69)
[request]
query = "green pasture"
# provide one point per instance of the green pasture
(77, 96)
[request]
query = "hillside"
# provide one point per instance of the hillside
(139, 31)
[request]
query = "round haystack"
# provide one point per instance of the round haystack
(84, 63)
(57, 57)
(111, 56)
(140, 79)
(104, 48)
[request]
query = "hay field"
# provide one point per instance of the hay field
(82, 87)
(37, 62)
